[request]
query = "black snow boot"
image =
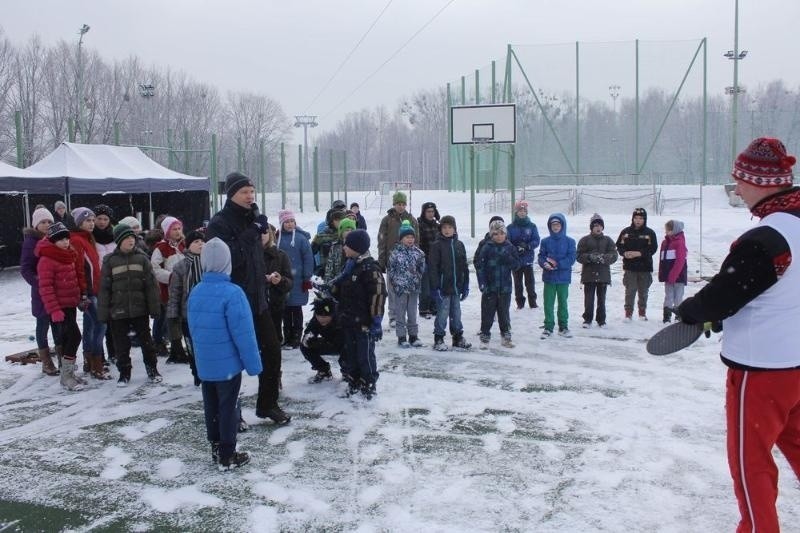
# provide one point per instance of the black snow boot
(667, 315)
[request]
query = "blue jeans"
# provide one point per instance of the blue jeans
(94, 331)
(42, 325)
(359, 353)
(450, 307)
(220, 404)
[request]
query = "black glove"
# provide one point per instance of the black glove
(262, 223)
(521, 249)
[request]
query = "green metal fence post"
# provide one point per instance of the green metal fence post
(316, 178)
(450, 165)
(262, 178)
(71, 130)
(239, 155)
(186, 153)
(494, 146)
(170, 153)
(478, 180)
(461, 147)
(636, 120)
(330, 173)
(283, 176)
(344, 175)
(18, 129)
(577, 113)
(300, 174)
(116, 133)
(213, 173)
(472, 189)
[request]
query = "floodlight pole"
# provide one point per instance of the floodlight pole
(82, 31)
(735, 56)
(304, 121)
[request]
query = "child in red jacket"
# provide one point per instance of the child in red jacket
(60, 289)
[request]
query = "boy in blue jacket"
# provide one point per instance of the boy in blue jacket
(224, 341)
(497, 260)
(556, 257)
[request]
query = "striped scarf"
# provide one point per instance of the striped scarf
(194, 272)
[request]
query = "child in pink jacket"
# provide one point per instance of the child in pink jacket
(672, 269)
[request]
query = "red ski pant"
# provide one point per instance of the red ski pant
(763, 409)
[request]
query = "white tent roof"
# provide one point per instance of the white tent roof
(100, 168)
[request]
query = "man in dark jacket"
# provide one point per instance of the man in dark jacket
(428, 233)
(596, 252)
(240, 225)
(637, 244)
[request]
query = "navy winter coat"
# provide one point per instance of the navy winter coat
(524, 235)
(495, 265)
(296, 246)
(27, 267)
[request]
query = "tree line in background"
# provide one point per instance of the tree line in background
(156, 106)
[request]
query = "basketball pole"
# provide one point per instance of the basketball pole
(472, 188)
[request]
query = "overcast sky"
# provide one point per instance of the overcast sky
(289, 49)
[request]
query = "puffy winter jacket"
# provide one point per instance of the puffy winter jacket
(221, 326)
(672, 257)
(560, 248)
(166, 255)
(524, 235)
(448, 263)
(27, 267)
(295, 245)
(87, 260)
(128, 288)
(405, 269)
(59, 277)
(596, 253)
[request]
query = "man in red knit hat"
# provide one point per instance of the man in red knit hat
(756, 297)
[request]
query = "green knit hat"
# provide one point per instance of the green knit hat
(346, 224)
(399, 198)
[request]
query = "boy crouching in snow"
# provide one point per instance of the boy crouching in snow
(128, 298)
(224, 339)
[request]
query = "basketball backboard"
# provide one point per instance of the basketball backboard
(491, 123)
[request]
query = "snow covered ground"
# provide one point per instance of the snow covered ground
(581, 434)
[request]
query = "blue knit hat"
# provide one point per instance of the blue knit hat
(358, 241)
